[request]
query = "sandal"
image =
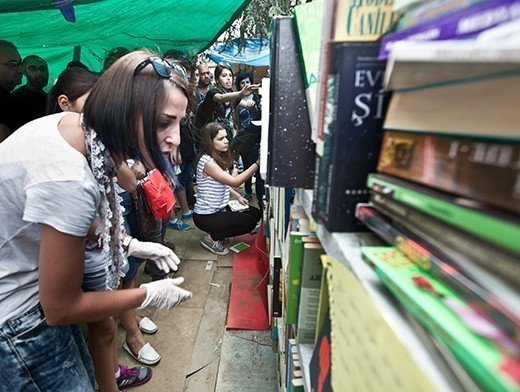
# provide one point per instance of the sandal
(146, 354)
(147, 326)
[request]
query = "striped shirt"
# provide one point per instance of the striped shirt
(212, 195)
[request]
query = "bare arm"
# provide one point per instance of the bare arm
(60, 277)
(126, 178)
(217, 173)
(228, 97)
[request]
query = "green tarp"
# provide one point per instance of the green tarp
(38, 27)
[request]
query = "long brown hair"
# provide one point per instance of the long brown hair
(208, 133)
(122, 101)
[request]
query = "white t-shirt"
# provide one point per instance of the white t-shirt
(42, 180)
(212, 195)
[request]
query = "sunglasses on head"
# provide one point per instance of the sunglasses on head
(162, 67)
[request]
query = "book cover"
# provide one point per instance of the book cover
(290, 148)
(293, 283)
(442, 267)
(277, 299)
(429, 10)
(364, 20)
(478, 169)
(461, 24)
(311, 276)
(309, 19)
(480, 356)
(485, 107)
(466, 249)
(321, 359)
(355, 131)
(494, 226)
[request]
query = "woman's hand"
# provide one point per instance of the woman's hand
(243, 201)
(248, 90)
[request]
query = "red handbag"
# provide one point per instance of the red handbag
(159, 194)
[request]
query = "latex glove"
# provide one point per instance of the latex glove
(164, 257)
(165, 293)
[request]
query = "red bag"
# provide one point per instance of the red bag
(159, 194)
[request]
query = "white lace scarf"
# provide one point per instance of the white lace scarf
(111, 224)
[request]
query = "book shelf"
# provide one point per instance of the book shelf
(344, 247)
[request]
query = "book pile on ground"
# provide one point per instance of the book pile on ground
(447, 195)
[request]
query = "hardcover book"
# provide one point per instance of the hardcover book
(311, 276)
(438, 264)
(355, 132)
(459, 245)
(493, 226)
(436, 310)
(321, 359)
(277, 292)
(290, 151)
(485, 171)
(461, 24)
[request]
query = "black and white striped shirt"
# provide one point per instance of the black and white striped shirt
(212, 195)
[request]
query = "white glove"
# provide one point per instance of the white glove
(163, 256)
(165, 293)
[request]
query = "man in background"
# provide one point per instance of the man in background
(204, 81)
(30, 98)
(10, 76)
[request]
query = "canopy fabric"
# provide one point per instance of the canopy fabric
(38, 27)
(255, 52)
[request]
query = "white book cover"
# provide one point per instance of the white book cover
(264, 140)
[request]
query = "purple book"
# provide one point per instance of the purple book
(461, 24)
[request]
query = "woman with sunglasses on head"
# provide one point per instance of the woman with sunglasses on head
(215, 189)
(56, 174)
(221, 100)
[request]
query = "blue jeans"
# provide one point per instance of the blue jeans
(37, 357)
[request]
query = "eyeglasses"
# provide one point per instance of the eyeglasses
(162, 67)
(12, 64)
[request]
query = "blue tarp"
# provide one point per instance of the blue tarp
(255, 52)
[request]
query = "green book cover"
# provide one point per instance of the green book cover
(477, 221)
(312, 271)
(293, 283)
(478, 355)
(309, 20)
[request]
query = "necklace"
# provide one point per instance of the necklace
(111, 225)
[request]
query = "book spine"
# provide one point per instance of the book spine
(458, 25)
(355, 132)
(477, 221)
(432, 10)
(484, 171)
(439, 265)
(453, 240)
(294, 279)
(277, 302)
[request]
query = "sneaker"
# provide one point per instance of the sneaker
(256, 229)
(214, 246)
(187, 215)
(179, 225)
(133, 377)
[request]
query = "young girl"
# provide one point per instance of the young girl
(214, 181)
(56, 174)
(220, 101)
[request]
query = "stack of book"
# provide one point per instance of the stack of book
(350, 108)
(447, 195)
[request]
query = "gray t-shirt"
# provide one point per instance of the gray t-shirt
(43, 180)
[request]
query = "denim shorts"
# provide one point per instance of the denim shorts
(37, 357)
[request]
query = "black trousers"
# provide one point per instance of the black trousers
(225, 224)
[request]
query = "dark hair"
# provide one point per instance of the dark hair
(114, 55)
(121, 103)
(220, 68)
(241, 76)
(208, 133)
(182, 58)
(74, 83)
(76, 64)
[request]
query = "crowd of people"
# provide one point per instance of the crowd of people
(74, 233)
